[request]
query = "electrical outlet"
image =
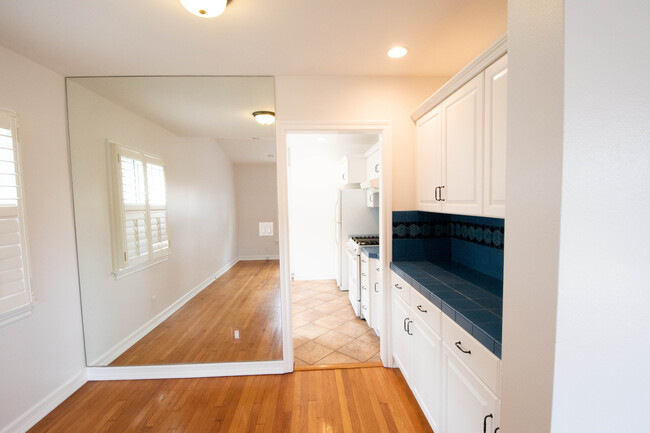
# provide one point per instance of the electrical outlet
(236, 335)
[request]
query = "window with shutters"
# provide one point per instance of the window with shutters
(139, 209)
(15, 293)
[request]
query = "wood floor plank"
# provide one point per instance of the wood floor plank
(360, 400)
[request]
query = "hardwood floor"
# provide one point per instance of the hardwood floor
(325, 401)
(246, 297)
(325, 329)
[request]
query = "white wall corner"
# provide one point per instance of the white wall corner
(28, 419)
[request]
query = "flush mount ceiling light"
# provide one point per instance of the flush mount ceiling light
(397, 52)
(264, 117)
(205, 8)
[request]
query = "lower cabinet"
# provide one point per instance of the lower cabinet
(468, 406)
(376, 307)
(455, 395)
(417, 352)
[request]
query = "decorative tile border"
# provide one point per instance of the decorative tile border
(482, 234)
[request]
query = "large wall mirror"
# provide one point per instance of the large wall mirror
(176, 214)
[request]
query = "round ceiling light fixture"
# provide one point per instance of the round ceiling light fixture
(205, 8)
(397, 52)
(264, 117)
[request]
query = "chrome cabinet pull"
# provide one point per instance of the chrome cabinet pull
(485, 422)
(441, 199)
(460, 347)
(398, 286)
(405, 319)
(376, 168)
(363, 261)
(408, 327)
(497, 429)
(376, 291)
(362, 274)
(435, 193)
(364, 288)
(420, 308)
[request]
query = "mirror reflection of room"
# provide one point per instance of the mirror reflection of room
(176, 216)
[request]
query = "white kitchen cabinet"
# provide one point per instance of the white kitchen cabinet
(373, 162)
(467, 403)
(425, 369)
(429, 137)
(365, 289)
(376, 307)
(372, 198)
(401, 340)
(462, 147)
(496, 108)
(462, 169)
(353, 169)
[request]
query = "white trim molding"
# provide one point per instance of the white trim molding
(259, 257)
(28, 419)
(115, 351)
(385, 219)
(475, 67)
(182, 371)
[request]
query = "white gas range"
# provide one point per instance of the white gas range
(353, 247)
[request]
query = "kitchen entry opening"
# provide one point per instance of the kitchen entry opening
(333, 184)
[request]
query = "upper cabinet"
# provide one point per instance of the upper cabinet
(353, 169)
(461, 134)
(496, 112)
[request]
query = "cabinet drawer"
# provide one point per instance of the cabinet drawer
(481, 361)
(401, 287)
(425, 310)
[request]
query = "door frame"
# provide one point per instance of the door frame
(385, 221)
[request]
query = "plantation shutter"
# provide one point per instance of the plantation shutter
(140, 209)
(157, 208)
(135, 234)
(14, 275)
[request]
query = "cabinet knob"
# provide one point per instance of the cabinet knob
(485, 422)
(460, 347)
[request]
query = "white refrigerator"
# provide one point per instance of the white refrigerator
(352, 217)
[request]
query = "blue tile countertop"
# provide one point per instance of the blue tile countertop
(471, 299)
(371, 252)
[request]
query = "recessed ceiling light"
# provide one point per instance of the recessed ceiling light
(205, 8)
(397, 52)
(264, 117)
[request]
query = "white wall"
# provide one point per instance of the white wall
(354, 99)
(576, 323)
(201, 218)
(44, 351)
(314, 180)
(602, 354)
(256, 193)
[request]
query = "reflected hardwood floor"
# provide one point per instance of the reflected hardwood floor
(328, 401)
(325, 329)
(247, 297)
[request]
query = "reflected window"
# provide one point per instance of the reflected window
(140, 234)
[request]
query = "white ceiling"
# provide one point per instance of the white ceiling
(252, 37)
(216, 107)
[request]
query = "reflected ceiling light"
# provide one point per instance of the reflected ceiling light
(397, 52)
(205, 8)
(264, 117)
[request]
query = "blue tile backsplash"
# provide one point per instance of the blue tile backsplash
(475, 242)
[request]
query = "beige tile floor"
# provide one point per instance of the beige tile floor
(325, 329)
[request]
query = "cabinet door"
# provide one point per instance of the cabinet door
(373, 164)
(496, 109)
(429, 136)
(462, 171)
(401, 338)
(376, 303)
(466, 402)
(426, 354)
(366, 307)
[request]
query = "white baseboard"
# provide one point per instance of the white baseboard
(314, 277)
(115, 351)
(247, 258)
(186, 370)
(46, 405)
